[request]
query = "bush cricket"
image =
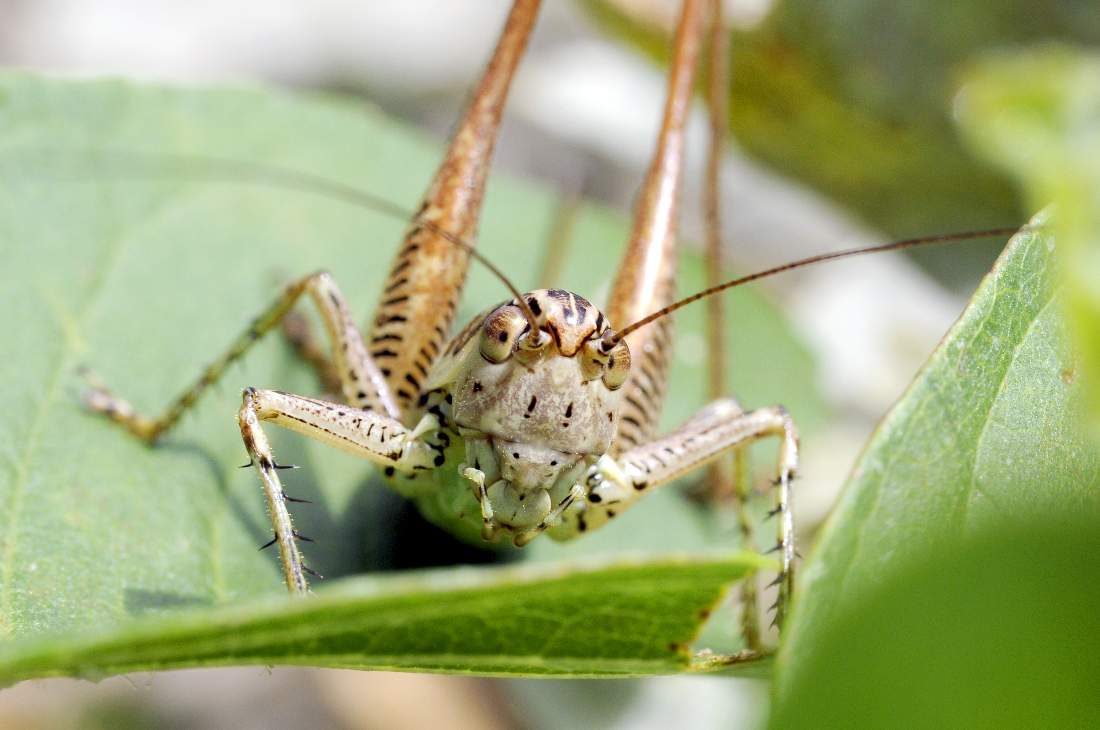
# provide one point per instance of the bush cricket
(540, 414)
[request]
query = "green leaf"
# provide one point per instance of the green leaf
(1037, 114)
(538, 621)
(998, 630)
(147, 277)
(987, 437)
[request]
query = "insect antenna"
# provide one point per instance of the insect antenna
(614, 338)
(139, 165)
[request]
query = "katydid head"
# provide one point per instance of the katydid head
(555, 384)
(537, 405)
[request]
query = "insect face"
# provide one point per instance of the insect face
(555, 388)
(538, 406)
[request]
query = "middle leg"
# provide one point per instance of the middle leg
(616, 483)
(362, 382)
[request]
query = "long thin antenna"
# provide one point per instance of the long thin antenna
(220, 169)
(894, 246)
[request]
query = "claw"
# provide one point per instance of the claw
(288, 498)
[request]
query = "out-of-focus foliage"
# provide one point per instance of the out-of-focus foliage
(994, 630)
(855, 99)
(1038, 116)
(987, 439)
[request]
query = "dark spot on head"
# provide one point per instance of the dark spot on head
(515, 454)
(582, 307)
(640, 485)
(581, 524)
(611, 513)
(565, 424)
(594, 498)
(522, 496)
(534, 305)
(389, 471)
(439, 459)
(554, 462)
(449, 399)
(610, 416)
(531, 405)
(477, 387)
(503, 336)
(422, 400)
(569, 410)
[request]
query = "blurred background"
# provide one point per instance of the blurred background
(844, 138)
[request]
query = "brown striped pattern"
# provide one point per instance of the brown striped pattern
(645, 387)
(417, 305)
(646, 278)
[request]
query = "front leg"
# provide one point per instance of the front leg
(616, 484)
(377, 437)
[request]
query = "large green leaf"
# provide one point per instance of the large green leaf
(619, 619)
(987, 437)
(146, 277)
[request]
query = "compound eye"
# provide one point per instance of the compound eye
(618, 366)
(593, 360)
(499, 333)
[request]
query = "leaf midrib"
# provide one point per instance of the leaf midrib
(885, 425)
(979, 442)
